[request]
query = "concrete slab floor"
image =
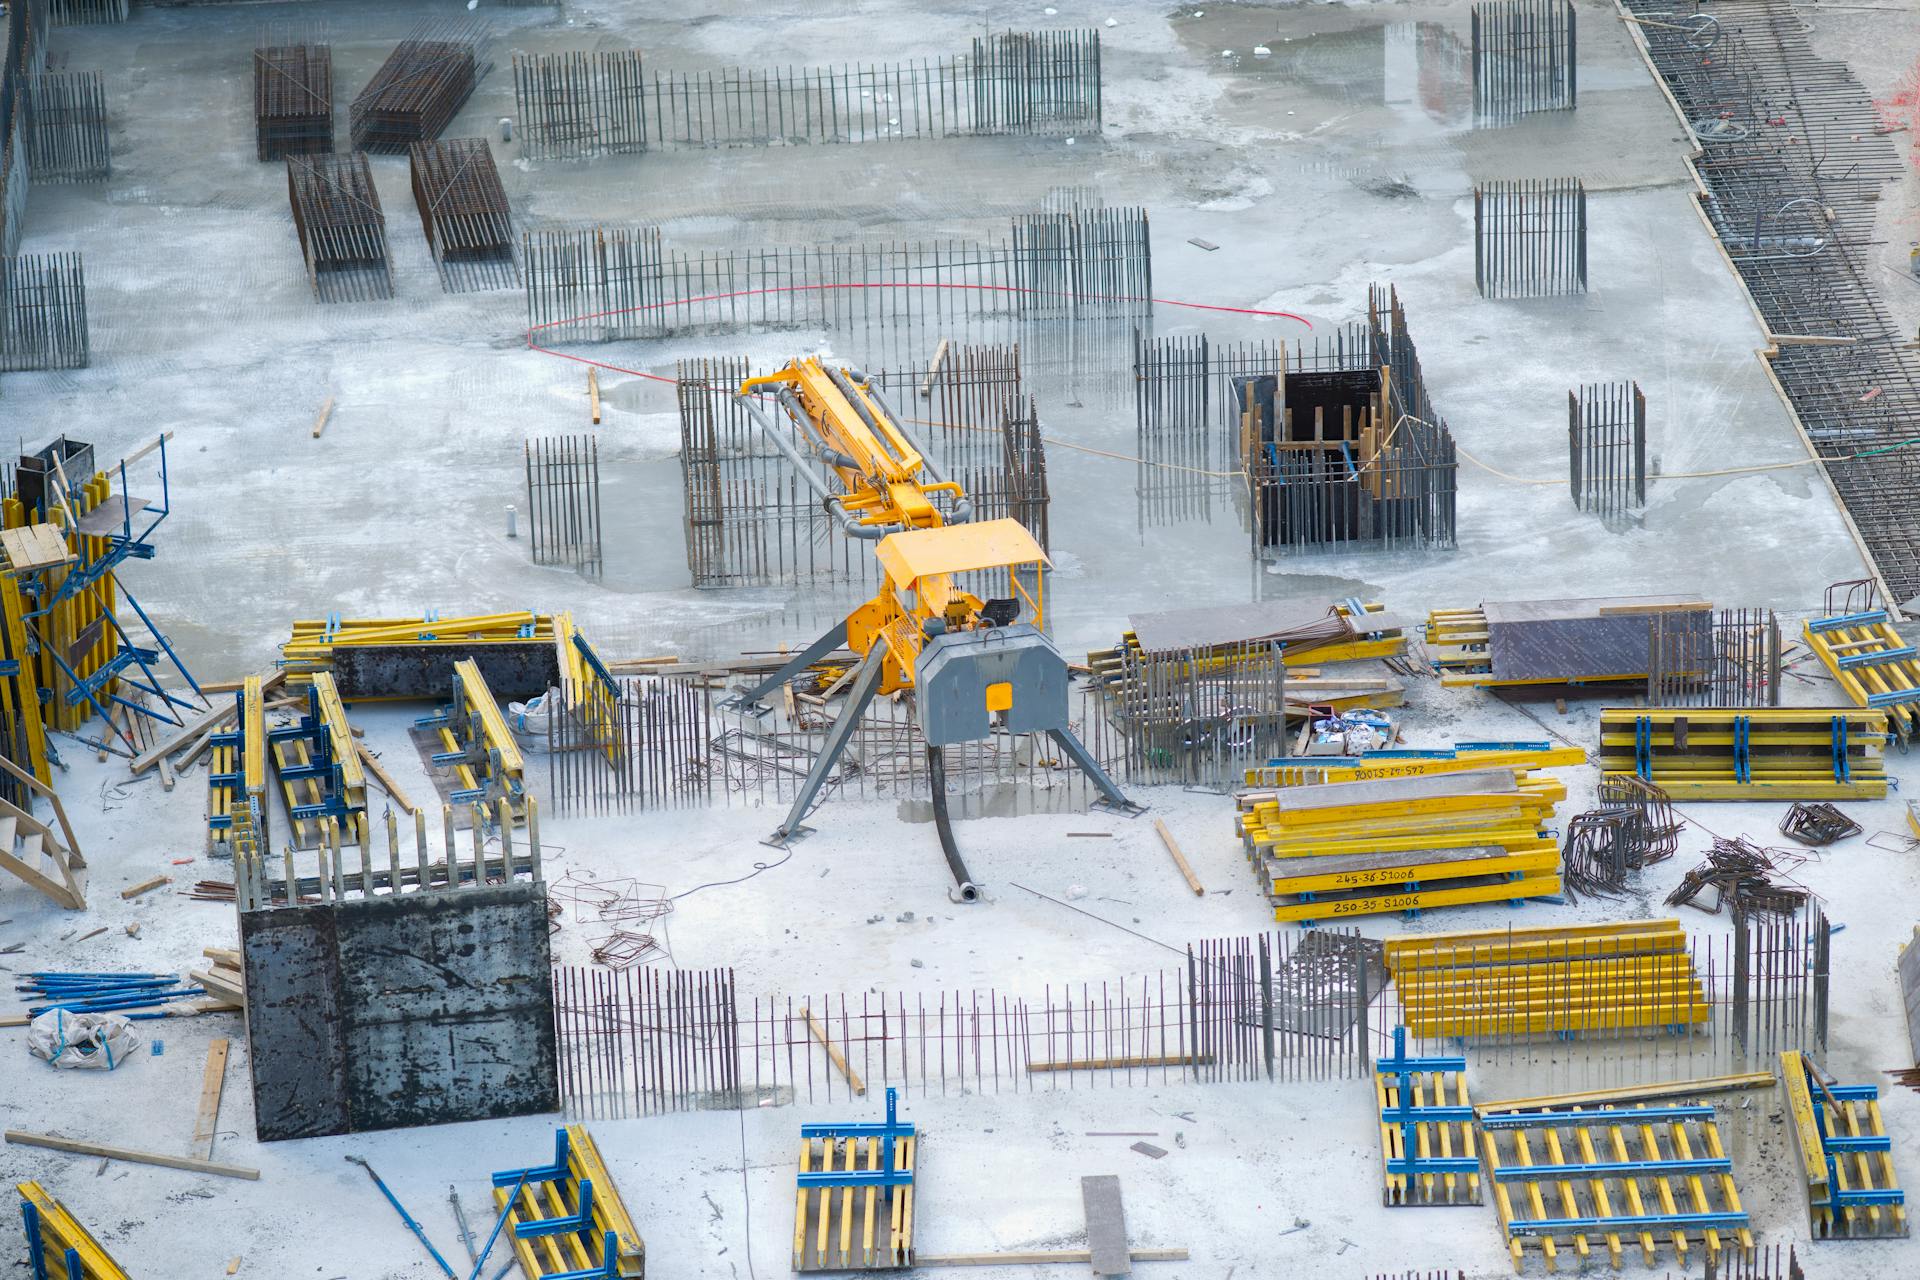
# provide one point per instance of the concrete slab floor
(1298, 166)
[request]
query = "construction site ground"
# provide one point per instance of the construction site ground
(1313, 187)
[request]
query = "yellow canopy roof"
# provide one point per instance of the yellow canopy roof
(956, 548)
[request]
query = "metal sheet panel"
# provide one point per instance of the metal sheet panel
(1106, 1225)
(514, 669)
(295, 1043)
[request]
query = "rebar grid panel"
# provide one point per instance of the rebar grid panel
(292, 99)
(1730, 658)
(1193, 717)
(43, 312)
(751, 520)
(1794, 157)
(1281, 1007)
(76, 13)
(577, 104)
(1524, 59)
(419, 89)
(64, 118)
(1607, 447)
(601, 284)
(464, 212)
(1530, 238)
(1346, 449)
(342, 230)
(563, 502)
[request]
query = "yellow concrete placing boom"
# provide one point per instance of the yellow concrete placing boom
(970, 662)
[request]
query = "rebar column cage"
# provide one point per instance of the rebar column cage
(563, 502)
(1730, 658)
(1342, 446)
(1530, 238)
(1197, 717)
(1607, 447)
(66, 127)
(43, 313)
(1524, 59)
(75, 13)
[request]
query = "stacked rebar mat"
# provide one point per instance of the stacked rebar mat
(43, 313)
(1613, 1177)
(1511, 985)
(1341, 445)
(1605, 640)
(567, 1218)
(64, 118)
(1427, 1151)
(342, 229)
(1748, 753)
(464, 212)
(292, 100)
(1524, 59)
(1871, 662)
(57, 1245)
(413, 658)
(1402, 844)
(834, 1231)
(1607, 447)
(418, 90)
(1845, 1154)
(1530, 238)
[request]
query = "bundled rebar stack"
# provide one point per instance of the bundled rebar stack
(464, 212)
(66, 127)
(43, 313)
(1530, 238)
(343, 232)
(292, 100)
(1633, 828)
(419, 88)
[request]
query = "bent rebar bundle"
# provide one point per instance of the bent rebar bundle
(43, 313)
(1016, 82)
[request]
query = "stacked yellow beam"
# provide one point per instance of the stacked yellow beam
(311, 646)
(1603, 979)
(1816, 1111)
(1108, 663)
(578, 1250)
(1402, 843)
(1522, 758)
(493, 765)
(1749, 753)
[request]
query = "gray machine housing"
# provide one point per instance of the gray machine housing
(955, 668)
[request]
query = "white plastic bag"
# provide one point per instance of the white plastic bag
(529, 719)
(101, 1041)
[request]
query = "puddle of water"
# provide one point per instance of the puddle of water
(1420, 69)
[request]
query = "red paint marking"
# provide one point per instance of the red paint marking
(905, 284)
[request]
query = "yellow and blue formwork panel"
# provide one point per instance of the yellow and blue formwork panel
(1427, 1127)
(853, 1205)
(1614, 1178)
(58, 1247)
(1402, 844)
(1749, 753)
(1522, 757)
(566, 1220)
(321, 776)
(238, 809)
(479, 746)
(1845, 1155)
(1871, 662)
(1626, 978)
(591, 692)
(1107, 664)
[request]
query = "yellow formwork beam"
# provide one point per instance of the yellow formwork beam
(253, 740)
(61, 1231)
(1418, 900)
(333, 716)
(1543, 859)
(574, 1251)
(1305, 772)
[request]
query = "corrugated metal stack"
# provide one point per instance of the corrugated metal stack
(1387, 844)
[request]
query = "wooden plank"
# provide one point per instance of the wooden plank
(933, 369)
(203, 723)
(1038, 1257)
(1179, 858)
(23, 1138)
(213, 1083)
(320, 419)
(145, 886)
(839, 1059)
(593, 392)
(384, 778)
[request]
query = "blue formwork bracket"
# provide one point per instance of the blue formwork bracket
(580, 1219)
(1630, 1223)
(609, 1268)
(888, 1132)
(539, 1173)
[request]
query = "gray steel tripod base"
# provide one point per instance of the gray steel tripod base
(866, 682)
(749, 699)
(1076, 751)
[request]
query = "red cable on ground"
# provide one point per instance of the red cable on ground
(905, 284)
